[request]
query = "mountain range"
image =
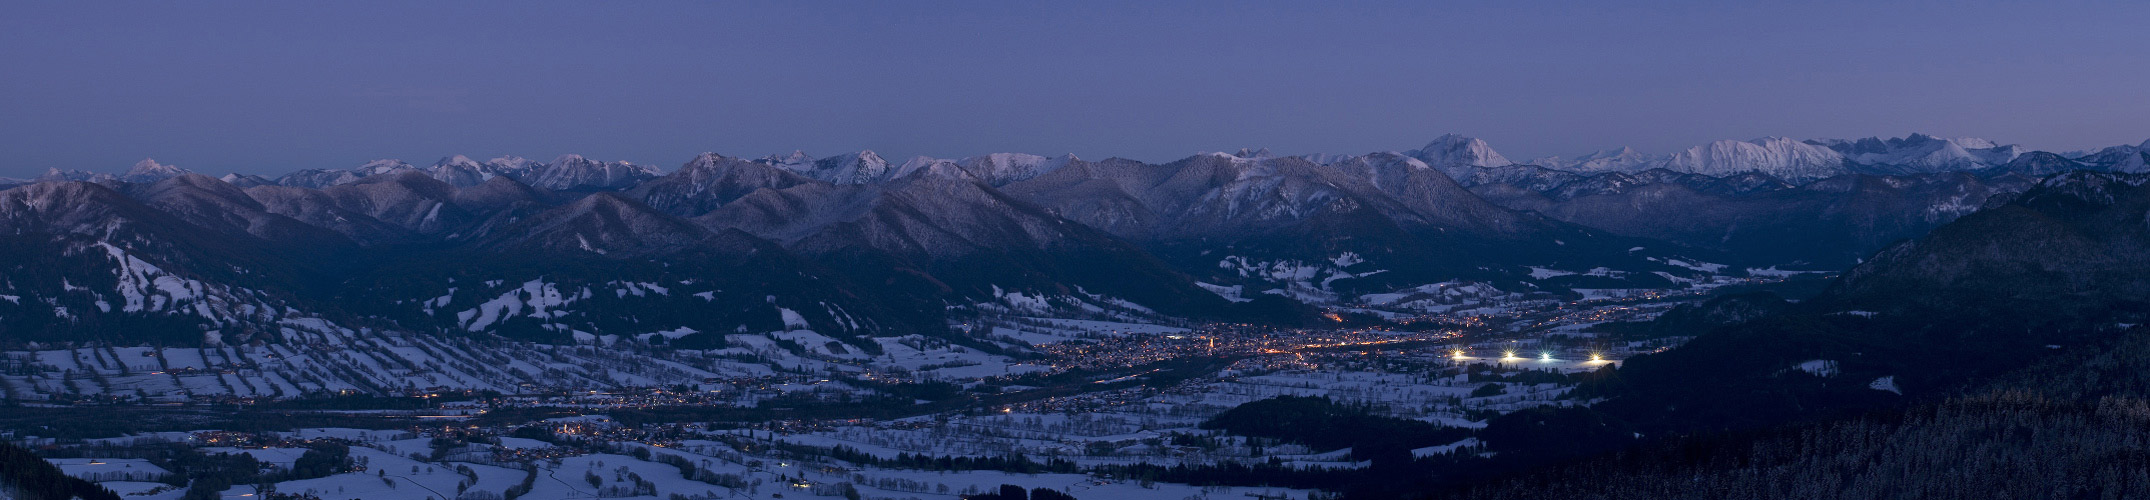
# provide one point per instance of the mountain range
(856, 246)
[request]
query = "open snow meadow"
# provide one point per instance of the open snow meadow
(1096, 408)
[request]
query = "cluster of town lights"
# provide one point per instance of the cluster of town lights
(1510, 356)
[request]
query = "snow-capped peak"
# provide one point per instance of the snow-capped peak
(797, 161)
(148, 170)
(855, 168)
(513, 163)
(1784, 158)
(1622, 159)
(1455, 149)
(461, 171)
(705, 159)
(57, 175)
(917, 163)
(1458, 156)
(573, 171)
(457, 160)
(1004, 168)
(382, 166)
(1974, 143)
(1922, 153)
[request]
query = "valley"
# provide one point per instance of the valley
(727, 250)
(787, 413)
(1221, 326)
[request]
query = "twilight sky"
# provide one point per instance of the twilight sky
(273, 87)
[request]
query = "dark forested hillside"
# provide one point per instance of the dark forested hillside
(1999, 357)
(23, 475)
(2073, 426)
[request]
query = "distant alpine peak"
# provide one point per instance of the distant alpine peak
(1331, 158)
(382, 166)
(919, 162)
(57, 175)
(1974, 143)
(1915, 140)
(1785, 158)
(457, 160)
(151, 165)
(1456, 150)
(705, 161)
(797, 157)
(1608, 154)
(936, 167)
(1922, 153)
(513, 164)
(1004, 168)
(1621, 159)
(865, 155)
(1254, 154)
(862, 167)
(148, 170)
(1459, 156)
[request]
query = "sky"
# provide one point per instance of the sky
(272, 87)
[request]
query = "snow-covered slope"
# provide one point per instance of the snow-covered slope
(2130, 159)
(1781, 157)
(148, 170)
(574, 172)
(1458, 156)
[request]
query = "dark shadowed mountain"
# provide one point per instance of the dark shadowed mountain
(1822, 224)
(1388, 217)
(2061, 265)
(2075, 241)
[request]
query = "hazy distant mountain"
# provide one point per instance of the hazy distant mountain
(574, 172)
(710, 181)
(148, 170)
(2130, 159)
(1816, 202)
(1828, 223)
(1920, 153)
(1315, 232)
(1623, 159)
(1458, 156)
(1800, 161)
(1777, 156)
(57, 175)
